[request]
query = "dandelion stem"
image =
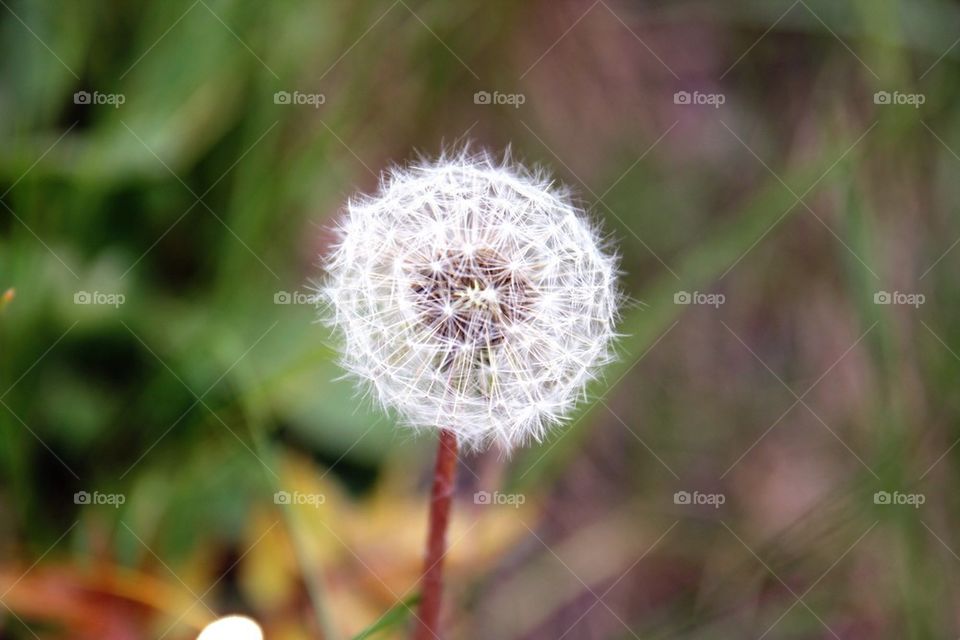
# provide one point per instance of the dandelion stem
(428, 619)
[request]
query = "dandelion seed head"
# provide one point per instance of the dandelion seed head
(472, 295)
(232, 628)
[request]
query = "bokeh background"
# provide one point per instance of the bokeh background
(773, 455)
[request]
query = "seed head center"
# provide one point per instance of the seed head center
(469, 298)
(478, 295)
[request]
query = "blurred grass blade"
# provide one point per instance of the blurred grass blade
(396, 615)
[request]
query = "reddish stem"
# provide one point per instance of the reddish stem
(428, 620)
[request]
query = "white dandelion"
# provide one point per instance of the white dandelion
(232, 628)
(473, 296)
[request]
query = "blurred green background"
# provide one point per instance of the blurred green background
(773, 455)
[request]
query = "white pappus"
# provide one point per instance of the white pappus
(472, 295)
